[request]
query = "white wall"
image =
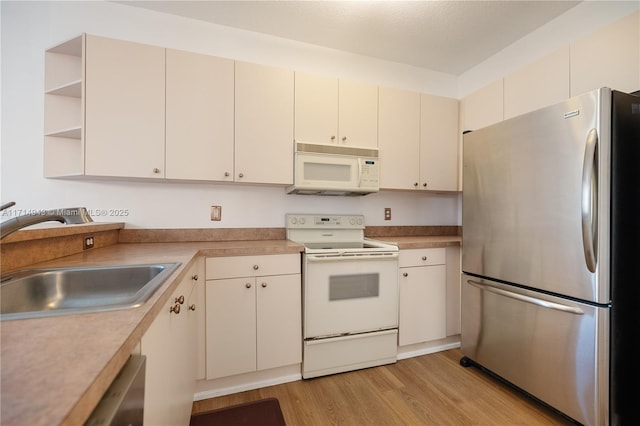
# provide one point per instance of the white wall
(29, 28)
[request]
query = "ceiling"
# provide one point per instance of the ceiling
(441, 35)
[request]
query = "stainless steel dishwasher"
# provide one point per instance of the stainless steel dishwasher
(123, 402)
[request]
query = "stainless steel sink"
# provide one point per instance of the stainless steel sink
(47, 292)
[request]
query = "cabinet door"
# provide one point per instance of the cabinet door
(454, 273)
(482, 107)
(184, 364)
(358, 114)
(316, 108)
(279, 321)
(542, 83)
(170, 355)
(422, 315)
(231, 326)
(124, 109)
(198, 318)
(399, 138)
(609, 57)
(439, 143)
(263, 124)
(199, 132)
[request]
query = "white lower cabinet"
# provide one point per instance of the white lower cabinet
(253, 313)
(423, 294)
(170, 347)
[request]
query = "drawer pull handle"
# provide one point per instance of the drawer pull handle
(179, 300)
(424, 257)
(256, 267)
(175, 309)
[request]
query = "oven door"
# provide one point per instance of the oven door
(350, 293)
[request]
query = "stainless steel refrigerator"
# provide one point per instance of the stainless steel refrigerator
(551, 241)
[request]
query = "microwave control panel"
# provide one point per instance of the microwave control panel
(369, 172)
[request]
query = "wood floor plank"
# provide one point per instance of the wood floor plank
(427, 390)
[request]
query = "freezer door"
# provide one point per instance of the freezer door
(552, 348)
(536, 199)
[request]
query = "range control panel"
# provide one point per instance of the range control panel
(318, 221)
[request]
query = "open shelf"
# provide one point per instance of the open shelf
(63, 109)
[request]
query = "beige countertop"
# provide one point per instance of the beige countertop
(418, 242)
(56, 369)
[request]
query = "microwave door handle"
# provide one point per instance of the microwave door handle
(359, 172)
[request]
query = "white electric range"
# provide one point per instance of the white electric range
(350, 294)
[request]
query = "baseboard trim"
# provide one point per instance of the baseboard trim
(245, 386)
(410, 351)
(229, 385)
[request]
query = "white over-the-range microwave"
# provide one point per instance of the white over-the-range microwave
(321, 169)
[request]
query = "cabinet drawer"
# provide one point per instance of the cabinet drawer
(249, 266)
(422, 257)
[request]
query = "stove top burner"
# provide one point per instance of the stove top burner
(335, 245)
(333, 233)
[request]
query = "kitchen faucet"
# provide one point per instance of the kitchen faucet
(73, 215)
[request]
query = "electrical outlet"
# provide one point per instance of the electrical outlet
(387, 213)
(88, 242)
(216, 213)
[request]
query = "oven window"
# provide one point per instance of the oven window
(355, 286)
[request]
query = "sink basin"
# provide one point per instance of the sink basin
(48, 292)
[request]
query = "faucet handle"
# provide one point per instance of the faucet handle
(7, 205)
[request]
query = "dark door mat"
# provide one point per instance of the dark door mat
(264, 412)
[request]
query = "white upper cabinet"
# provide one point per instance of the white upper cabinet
(199, 114)
(418, 138)
(358, 114)
(399, 138)
(263, 124)
(483, 107)
(329, 110)
(124, 108)
(609, 57)
(542, 83)
(438, 143)
(316, 108)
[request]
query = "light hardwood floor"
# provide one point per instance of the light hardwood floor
(427, 390)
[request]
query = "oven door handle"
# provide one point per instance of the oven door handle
(344, 257)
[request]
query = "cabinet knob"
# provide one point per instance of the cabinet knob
(248, 285)
(179, 299)
(424, 184)
(156, 170)
(415, 184)
(333, 138)
(227, 174)
(424, 257)
(344, 139)
(241, 175)
(175, 309)
(192, 307)
(256, 267)
(264, 285)
(405, 274)
(195, 277)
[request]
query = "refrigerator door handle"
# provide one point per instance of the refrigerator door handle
(589, 207)
(527, 299)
